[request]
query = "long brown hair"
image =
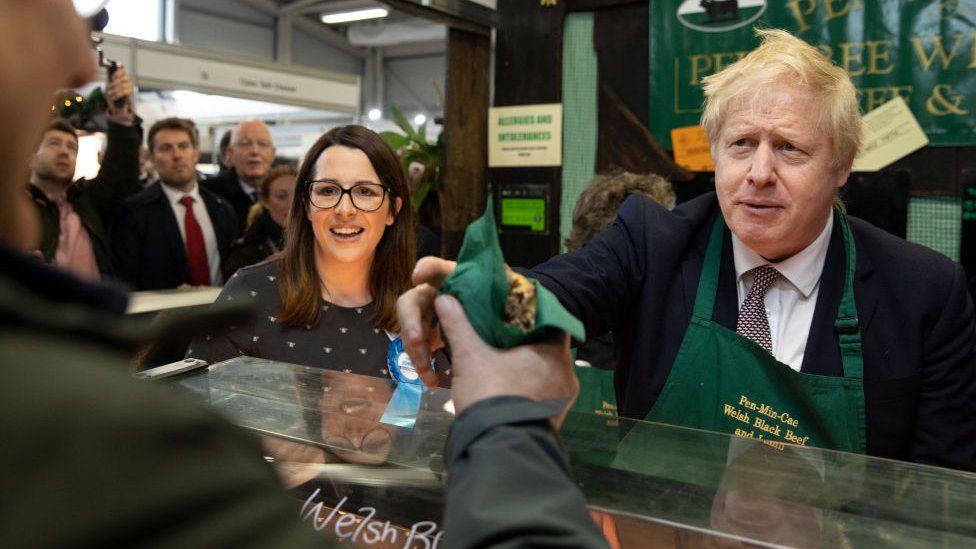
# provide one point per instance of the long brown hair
(389, 275)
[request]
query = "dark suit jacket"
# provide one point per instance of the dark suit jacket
(639, 277)
(227, 186)
(146, 243)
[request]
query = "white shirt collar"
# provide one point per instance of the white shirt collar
(174, 195)
(248, 189)
(802, 269)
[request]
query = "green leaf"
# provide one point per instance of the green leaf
(422, 135)
(402, 123)
(417, 197)
(395, 140)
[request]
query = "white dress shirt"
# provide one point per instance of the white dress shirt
(792, 298)
(173, 196)
(248, 189)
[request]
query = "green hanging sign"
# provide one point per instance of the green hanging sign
(924, 51)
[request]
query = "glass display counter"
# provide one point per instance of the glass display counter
(340, 444)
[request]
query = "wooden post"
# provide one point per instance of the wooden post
(464, 189)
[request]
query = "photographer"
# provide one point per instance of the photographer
(74, 215)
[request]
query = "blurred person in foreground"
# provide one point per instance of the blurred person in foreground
(249, 155)
(266, 221)
(133, 465)
(764, 292)
(75, 215)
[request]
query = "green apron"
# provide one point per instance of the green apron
(722, 381)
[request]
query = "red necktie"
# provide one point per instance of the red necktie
(196, 250)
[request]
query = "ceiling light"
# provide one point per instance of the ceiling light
(374, 114)
(419, 119)
(350, 16)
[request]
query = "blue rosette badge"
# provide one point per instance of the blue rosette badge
(405, 403)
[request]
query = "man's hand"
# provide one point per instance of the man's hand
(119, 86)
(415, 311)
(542, 371)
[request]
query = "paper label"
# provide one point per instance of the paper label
(527, 135)
(691, 149)
(891, 132)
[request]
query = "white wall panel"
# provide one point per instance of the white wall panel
(308, 51)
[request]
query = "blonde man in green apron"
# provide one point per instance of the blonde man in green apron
(761, 310)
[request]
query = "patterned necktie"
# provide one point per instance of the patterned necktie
(753, 322)
(196, 250)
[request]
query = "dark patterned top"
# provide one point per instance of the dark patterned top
(343, 340)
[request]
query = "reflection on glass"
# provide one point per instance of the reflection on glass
(651, 484)
(351, 411)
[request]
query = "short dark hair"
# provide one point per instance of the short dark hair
(389, 276)
(58, 124)
(222, 148)
(597, 205)
(174, 123)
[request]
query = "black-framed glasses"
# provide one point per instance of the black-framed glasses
(367, 197)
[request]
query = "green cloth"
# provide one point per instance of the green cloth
(480, 284)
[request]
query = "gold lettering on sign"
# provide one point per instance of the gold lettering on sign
(942, 103)
(803, 9)
(735, 413)
(701, 65)
(768, 423)
(878, 51)
(848, 58)
(972, 39)
(800, 13)
(852, 56)
(704, 64)
(927, 57)
(875, 97)
(830, 6)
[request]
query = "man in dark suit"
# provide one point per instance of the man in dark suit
(174, 232)
(760, 311)
(249, 155)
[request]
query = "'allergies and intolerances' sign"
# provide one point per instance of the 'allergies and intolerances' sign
(526, 135)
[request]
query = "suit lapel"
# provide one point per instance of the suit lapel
(171, 231)
(865, 294)
(217, 220)
(826, 359)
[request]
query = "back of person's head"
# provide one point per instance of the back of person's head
(392, 264)
(597, 205)
(222, 149)
(783, 60)
(173, 123)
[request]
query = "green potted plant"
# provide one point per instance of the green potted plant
(419, 158)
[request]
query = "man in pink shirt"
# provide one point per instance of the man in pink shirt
(74, 214)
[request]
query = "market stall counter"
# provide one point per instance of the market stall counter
(363, 459)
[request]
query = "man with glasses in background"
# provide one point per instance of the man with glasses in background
(249, 155)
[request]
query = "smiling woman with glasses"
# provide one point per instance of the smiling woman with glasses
(328, 299)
